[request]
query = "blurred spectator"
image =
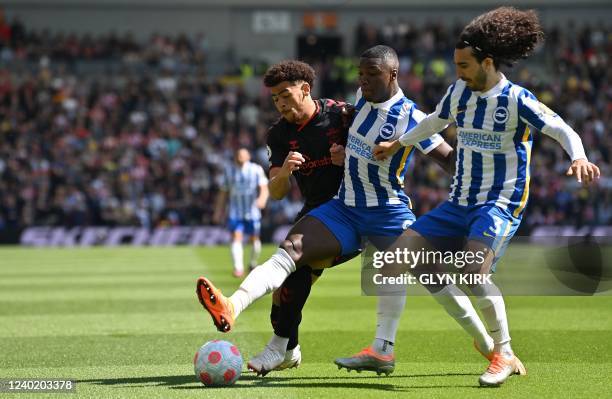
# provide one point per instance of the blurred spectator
(146, 146)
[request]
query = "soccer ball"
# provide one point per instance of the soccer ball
(217, 363)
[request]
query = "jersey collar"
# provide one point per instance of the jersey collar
(495, 90)
(303, 125)
(387, 104)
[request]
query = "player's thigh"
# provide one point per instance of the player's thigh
(445, 227)
(491, 229)
(421, 254)
(322, 264)
(236, 228)
(310, 241)
(397, 256)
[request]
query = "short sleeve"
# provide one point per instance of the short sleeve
(443, 107)
(261, 176)
(429, 143)
(277, 152)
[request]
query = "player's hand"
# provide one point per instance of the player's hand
(337, 154)
(348, 111)
(260, 203)
(585, 171)
(292, 163)
(386, 149)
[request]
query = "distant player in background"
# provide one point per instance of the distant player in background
(246, 185)
(491, 184)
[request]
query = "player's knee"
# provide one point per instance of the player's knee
(293, 246)
(471, 268)
(476, 268)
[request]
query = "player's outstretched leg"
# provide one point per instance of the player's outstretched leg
(218, 306)
(309, 240)
(450, 297)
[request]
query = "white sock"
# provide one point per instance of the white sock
(459, 307)
(237, 255)
(255, 252)
(390, 310)
(262, 280)
(278, 343)
(491, 304)
(382, 346)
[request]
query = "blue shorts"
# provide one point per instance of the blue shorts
(247, 227)
(450, 224)
(350, 224)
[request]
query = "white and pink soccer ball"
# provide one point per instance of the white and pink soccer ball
(218, 363)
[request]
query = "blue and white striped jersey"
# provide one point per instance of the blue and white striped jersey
(494, 141)
(242, 184)
(368, 182)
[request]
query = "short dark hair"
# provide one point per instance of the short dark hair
(504, 34)
(386, 53)
(289, 71)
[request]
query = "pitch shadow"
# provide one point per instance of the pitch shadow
(339, 381)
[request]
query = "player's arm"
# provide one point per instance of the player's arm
(264, 193)
(279, 183)
(444, 156)
(425, 128)
(337, 154)
(337, 151)
(222, 197)
(219, 209)
(538, 115)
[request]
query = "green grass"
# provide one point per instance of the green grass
(126, 322)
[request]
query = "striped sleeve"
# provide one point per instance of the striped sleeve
(443, 108)
(538, 115)
(261, 176)
(424, 129)
(428, 144)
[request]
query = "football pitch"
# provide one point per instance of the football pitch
(126, 322)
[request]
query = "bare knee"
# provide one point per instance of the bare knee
(293, 246)
(480, 259)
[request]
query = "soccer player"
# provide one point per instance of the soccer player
(246, 185)
(370, 203)
(306, 142)
(490, 188)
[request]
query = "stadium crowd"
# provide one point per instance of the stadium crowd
(147, 149)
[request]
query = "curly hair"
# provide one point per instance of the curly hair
(504, 34)
(289, 71)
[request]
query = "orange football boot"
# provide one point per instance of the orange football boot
(216, 304)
